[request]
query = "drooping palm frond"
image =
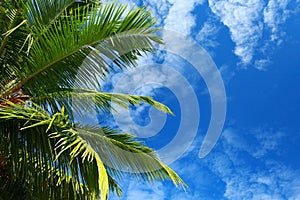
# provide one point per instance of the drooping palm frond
(53, 54)
(31, 155)
(123, 154)
(90, 156)
(80, 101)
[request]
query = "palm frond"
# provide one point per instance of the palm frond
(53, 54)
(123, 154)
(38, 143)
(12, 36)
(31, 155)
(91, 44)
(45, 12)
(82, 101)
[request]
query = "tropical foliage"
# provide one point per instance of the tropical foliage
(53, 55)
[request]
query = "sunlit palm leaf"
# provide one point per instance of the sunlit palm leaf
(81, 101)
(69, 42)
(120, 153)
(33, 163)
(53, 53)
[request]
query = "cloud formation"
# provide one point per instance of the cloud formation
(248, 21)
(207, 35)
(265, 178)
(237, 169)
(242, 19)
(253, 24)
(275, 14)
(180, 17)
(147, 191)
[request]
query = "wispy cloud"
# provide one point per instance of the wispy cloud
(250, 171)
(145, 191)
(266, 141)
(248, 21)
(207, 36)
(147, 79)
(160, 8)
(142, 190)
(175, 15)
(236, 169)
(180, 17)
(275, 14)
(243, 20)
(262, 64)
(253, 24)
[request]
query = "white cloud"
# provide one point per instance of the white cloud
(180, 17)
(266, 141)
(154, 77)
(176, 15)
(249, 171)
(251, 23)
(184, 59)
(243, 176)
(262, 64)
(207, 34)
(275, 14)
(247, 20)
(242, 19)
(160, 7)
(145, 191)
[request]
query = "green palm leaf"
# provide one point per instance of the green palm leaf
(71, 41)
(53, 55)
(110, 153)
(81, 101)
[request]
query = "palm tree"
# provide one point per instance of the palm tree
(44, 152)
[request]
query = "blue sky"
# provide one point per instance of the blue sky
(254, 46)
